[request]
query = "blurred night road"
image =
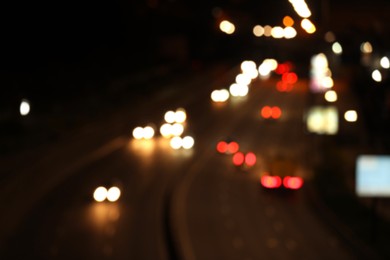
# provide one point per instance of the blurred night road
(286, 191)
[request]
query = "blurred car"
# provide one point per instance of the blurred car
(282, 173)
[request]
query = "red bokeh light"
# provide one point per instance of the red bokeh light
(222, 147)
(233, 147)
(250, 159)
(276, 112)
(290, 78)
(294, 183)
(271, 182)
(238, 158)
(266, 112)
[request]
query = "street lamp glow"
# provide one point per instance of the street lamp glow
(227, 27)
(385, 63)
(336, 48)
(258, 30)
(331, 96)
(376, 75)
(188, 142)
(366, 47)
(351, 116)
(100, 194)
(24, 107)
(113, 194)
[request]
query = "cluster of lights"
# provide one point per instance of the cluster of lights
(239, 158)
(383, 63)
(101, 194)
(240, 88)
(173, 128)
(321, 76)
(276, 32)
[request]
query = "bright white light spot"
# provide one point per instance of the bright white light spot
(277, 32)
(177, 129)
(148, 132)
(336, 48)
(258, 31)
(385, 63)
(238, 90)
(24, 107)
(180, 115)
(331, 96)
(176, 142)
(188, 142)
(169, 117)
(227, 27)
(366, 47)
(221, 95)
(327, 82)
(113, 194)
(138, 133)
(248, 65)
(308, 26)
(243, 79)
(376, 75)
(100, 194)
(166, 130)
(271, 63)
(351, 116)
(290, 32)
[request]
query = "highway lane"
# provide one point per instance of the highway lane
(228, 215)
(215, 211)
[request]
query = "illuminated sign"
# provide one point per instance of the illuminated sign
(322, 120)
(373, 176)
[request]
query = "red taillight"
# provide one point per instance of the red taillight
(276, 112)
(290, 77)
(250, 159)
(238, 158)
(222, 147)
(271, 182)
(266, 112)
(233, 147)
(293, 183)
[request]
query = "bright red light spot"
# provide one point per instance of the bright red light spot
(290, 77)
(233, 147)
(222, 147)
(266, 112)
(271, 182)
(238, 158)
(282, 68)
(250, 159)
(276, 112)
(294, 183)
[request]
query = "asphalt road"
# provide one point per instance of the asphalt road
(175, 204)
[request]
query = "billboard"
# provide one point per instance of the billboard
(373, 176)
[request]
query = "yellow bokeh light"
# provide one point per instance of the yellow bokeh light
(113, 194)
(227, 27)
(100, 194)
(267, 30)
(308, 26)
